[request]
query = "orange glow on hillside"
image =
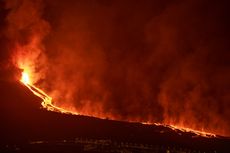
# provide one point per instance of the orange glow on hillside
(179, 129)
(184, 129)
(29, 78)
(47, 104)
(152, 77)
(47, 100)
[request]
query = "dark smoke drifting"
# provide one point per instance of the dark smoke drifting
(153, 61)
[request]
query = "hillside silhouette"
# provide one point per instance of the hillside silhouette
(23, 121)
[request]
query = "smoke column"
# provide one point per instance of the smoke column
(153, 61)
(25, 30)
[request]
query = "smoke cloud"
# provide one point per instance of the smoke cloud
(148, 61)
(25, 31)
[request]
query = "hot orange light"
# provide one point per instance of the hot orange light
(47, 100)
(28, 81)
(47, 103)
(25, 78)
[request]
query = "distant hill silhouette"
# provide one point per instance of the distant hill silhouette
(23, 120)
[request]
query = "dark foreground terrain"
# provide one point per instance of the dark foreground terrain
(26, 127)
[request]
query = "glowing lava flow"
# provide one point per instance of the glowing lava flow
(183, 129)
(47, 103)
(179, 129)
(47, 100)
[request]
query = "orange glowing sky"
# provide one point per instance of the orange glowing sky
(151, 61)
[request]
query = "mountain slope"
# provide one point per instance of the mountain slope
(24, 121)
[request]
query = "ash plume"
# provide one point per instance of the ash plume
(25, 31)
(153, 61)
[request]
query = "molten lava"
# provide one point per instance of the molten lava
(47, 100)
(47, 104)
(25, 78)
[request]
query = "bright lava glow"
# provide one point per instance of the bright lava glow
(25, 78)
(47, 100)
(179, 129)
(47, 104)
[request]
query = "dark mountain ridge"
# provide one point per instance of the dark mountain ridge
(24, 121)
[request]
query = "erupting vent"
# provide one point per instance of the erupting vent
(47, 100)
(163, 63)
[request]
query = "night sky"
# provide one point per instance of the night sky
(149, 61)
